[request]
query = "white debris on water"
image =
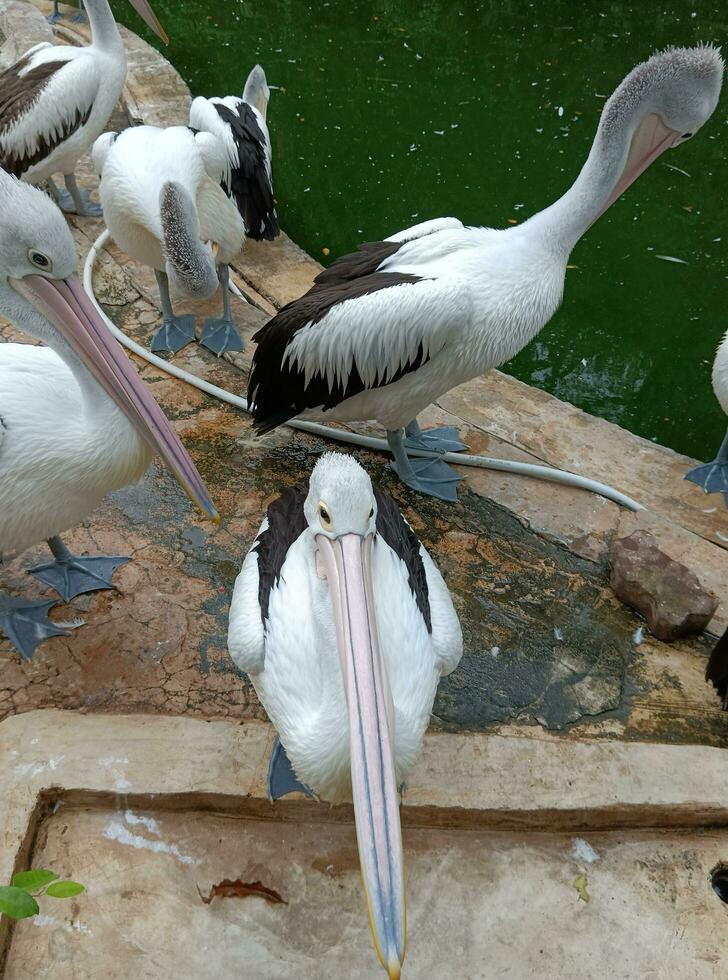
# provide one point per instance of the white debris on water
(671, 258)
(560, 111)
(638, 636)
(583, 851)
(671, 166)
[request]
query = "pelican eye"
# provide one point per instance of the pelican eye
(39, 260)
(326, 523)
(371, 514)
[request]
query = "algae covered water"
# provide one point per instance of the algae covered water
(384, 114)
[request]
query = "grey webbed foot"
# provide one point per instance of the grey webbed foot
(55, 16)
(26, 623)
(174, 334)
(430, 476)
(220, 336)
(442, 440)
(281, 777)
(712, 477)
(73, 575)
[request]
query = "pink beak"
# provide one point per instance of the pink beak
(346, 565)
(143, 8)
(64, 304)
(651, 138)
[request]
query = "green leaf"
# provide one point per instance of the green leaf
(31, 881)
(64, 889)
(17, 903)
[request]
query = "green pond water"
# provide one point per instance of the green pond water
(385, 114)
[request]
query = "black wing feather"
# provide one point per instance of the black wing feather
(717, 670)
(404, 542)
(286, 523)
(278, 393)
(250, 185)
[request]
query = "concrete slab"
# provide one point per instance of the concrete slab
(150, 812)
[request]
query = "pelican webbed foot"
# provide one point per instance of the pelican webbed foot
(26, 623)
(281, 777)
(174, 334)
(713, 477)
(441, 440)
(71, 575)
(220, 335)
(426, 475)
(75, 200)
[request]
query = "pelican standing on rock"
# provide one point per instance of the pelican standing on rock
(76, 421)
(164, 206)
(345, 626)
(57, 99)
(386, 331)
(713, 477)
(241, 125)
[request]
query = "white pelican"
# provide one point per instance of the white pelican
(241, 125)
(713, 477)
(345, 626)
(388, 330)
(57, 99)
(164, 206)
(76, 421)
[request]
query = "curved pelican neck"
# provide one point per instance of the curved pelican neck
(567, 219)
(104, 30)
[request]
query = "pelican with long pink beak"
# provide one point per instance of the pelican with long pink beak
(345, 627)
(76, 421)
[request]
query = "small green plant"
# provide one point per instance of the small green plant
(18, 900)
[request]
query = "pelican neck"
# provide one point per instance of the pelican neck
(104, 30)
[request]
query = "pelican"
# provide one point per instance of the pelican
(716, 672)
(164, 206)
(713, 477)
(389, 329)
(57, 99)
(345, 626)
(76, 421)
(241, 125)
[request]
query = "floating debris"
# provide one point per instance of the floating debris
(671, 166)
(671, 258)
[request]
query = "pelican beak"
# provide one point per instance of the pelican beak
(345, 562)
(65, 304)
(651, 138)
(143, 8)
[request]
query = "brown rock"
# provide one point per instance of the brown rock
(665, 592)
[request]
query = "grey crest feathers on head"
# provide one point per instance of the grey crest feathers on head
(32, 220)
(683, 84)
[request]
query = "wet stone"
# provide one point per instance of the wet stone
(664, 591)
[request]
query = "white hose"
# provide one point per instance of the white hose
(351, 438)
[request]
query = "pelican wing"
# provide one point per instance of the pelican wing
(447, 636)
(403, 541)
(283, 525)
(44, 98)
(356, 329)
(247, 176)
(425, 228)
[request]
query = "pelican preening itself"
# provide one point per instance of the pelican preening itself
(57, 99)
(386, 331)
(345, 626)
(76, 421)
(182, 200)
(713, 477)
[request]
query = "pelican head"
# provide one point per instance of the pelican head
(41, 293)
(341, 512)
(664, 102)
(190, 262)
(256, 91)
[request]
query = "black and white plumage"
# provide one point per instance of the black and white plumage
(345, 626)
(57, 99)
(716, 673)
(241, 125)
(387, 331)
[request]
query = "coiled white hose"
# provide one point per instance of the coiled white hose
(351, 438)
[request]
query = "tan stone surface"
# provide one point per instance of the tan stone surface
(155, 810)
